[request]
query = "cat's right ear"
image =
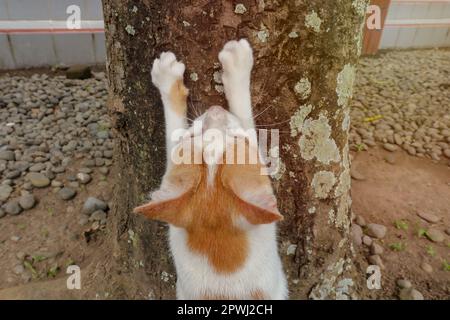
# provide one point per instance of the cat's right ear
(167, 210)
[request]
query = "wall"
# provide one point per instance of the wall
(417, 24)
(31, 34)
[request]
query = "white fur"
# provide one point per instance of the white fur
(262, 270)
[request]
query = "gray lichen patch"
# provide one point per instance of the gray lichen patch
(293, 35)
(130, 30)
(303, 88)
(240, 9)
(344, 183)
(217, 77)
(342, 213)
(263, 34)
(313, 21)
(316, 142)
(193, 76)
(344, 87)
(298, 118)
(346, 120)
(325, 289)
(322, 183)
(360, 6)
(312, 210)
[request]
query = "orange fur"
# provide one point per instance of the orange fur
(178, 96)
(207, 211)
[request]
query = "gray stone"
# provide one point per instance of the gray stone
(429, 217)
(37, 167)
(5, 192)
(356, 174)
(426, 267)
(97, 216)
(27, 201)
(356, 233)
(376, 230)
(404, 284)
(435, 235)
(376, 249)
(84, 178)
(13, 208)
(376, 260)
(38, 180)
(367, 240)
(67, 193)
(19, 269)
(359, 220)
(390, 147)
(7, 155)
(410, 294)
(93, 204)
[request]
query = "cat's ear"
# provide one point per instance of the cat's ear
(169, 203)
(252, 193)
(168, 210)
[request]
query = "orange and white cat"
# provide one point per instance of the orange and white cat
(221, 215)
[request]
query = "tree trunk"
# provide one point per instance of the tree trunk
(305, 57)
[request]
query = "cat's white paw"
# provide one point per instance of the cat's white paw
(166, 71)
(237, 61)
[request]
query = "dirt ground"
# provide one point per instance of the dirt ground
(395, 193)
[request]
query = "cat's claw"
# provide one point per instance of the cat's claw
(166, 71)
(236, 58)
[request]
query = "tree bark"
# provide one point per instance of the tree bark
(305, 58)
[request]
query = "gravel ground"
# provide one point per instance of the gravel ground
(47, 123)
(402, 101)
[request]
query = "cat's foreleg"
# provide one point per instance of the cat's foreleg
(237, 61)
(167, 76)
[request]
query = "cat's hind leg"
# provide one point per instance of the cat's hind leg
(167, 76)
(237, 61)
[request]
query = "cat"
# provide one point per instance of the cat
(222, 217)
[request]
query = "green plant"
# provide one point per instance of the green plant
(397, 246)
(51, 273)
(421, 233)
(446, 265)
(401, 224)
(30, 267)
(431, 251)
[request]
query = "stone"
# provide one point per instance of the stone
(359, 220)
(5, 192)
(19, 269)
(426, 267)
(376, 230)
(27, 201)
(376, 249)
(84, 178)
(80, 72)
(13, 208)
(367, 240)
(357, 175)
(390, 147)
(38, 180)
(83, 220)
(93, 204)
(429, 217)
(376, 260)
(356, 233)
(404, 284)
(97, 216)
(7, 155)
(435, 235)
(67, 193)
(410, 294)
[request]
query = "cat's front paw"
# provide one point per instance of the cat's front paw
(166, 71)
(237, 61)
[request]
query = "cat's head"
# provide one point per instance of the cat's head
(214, 185)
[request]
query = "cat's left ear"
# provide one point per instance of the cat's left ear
(252, 193)
(169, 202)
(168, 210)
